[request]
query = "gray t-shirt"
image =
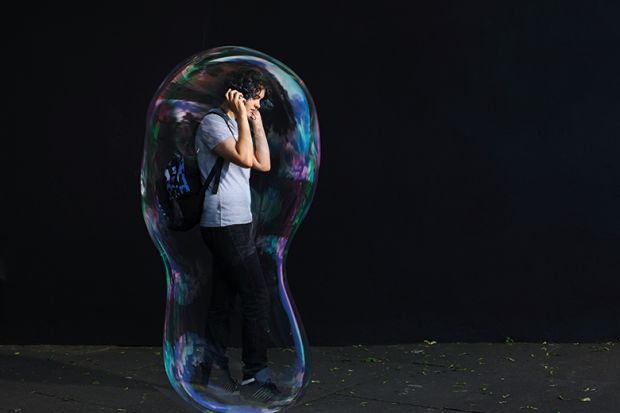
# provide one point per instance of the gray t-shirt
(232, 202)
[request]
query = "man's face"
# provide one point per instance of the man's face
(253, 104)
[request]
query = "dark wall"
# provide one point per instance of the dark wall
(468, 188)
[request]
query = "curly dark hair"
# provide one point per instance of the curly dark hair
(275, 107)
(249, 81)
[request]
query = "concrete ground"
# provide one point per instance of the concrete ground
(423, 377)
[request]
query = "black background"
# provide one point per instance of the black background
(468, 187)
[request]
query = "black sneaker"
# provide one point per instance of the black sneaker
(218, 379)
(261, 389)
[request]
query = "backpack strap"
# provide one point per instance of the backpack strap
(217, 168)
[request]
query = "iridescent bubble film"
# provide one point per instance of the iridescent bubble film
(280, 200)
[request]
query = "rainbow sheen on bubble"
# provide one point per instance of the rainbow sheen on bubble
(281, 198)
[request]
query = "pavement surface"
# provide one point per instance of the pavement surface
(420, 377)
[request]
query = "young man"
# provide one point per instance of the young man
(226, 228)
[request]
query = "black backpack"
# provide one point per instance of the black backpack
(183, 188)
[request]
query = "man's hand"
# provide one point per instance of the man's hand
(255, 119)
(236, 101)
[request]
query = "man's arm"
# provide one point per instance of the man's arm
(261, 159)
(238, 152)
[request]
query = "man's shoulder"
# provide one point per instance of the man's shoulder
(211, 116)
(215, 128)
(213, 120)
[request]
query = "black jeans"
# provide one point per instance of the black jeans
(237, 269)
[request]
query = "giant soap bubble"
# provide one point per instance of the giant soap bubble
(280, 199)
